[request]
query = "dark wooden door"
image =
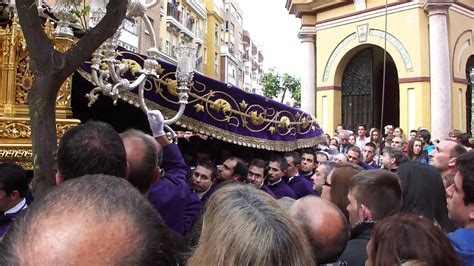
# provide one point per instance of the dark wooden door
(357, 91)
(469, 95)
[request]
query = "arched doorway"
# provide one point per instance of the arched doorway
(362, 90)
(469, 94)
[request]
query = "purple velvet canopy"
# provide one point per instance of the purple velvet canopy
(223, 111)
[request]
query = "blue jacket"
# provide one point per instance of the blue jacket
(171, 195)
(463, 242)
(281, 189)
(301, 186)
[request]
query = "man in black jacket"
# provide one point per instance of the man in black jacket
(373, 195)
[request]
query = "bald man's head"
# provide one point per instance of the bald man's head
(144, 156)
(91, 220)
(325, 226)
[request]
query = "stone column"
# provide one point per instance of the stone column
(440, 68)
(308, 76)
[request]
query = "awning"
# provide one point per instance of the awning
(220, 110)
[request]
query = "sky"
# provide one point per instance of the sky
(276, 32)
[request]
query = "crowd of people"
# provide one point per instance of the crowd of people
(131, 199)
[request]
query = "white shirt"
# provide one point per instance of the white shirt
(361, 142)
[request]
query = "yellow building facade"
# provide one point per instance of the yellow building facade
(212, 64)
(183, 21)
(428, 72)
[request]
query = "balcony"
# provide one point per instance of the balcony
(173, 19)
(187, 35)
(246, 38)
(260, 57)
(199, 64)
(198, 7)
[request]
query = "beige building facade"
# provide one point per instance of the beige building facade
(232, 67)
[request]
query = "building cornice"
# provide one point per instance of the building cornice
(436, 7)
(462, 9)
(366, 14)
(307, 33)
(302, 7)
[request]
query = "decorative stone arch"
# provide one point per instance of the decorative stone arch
(463, 49)
(357, 41)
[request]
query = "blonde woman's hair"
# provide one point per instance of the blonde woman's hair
(243, 225)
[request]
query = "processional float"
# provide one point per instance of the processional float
(185, 97)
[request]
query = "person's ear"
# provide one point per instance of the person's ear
(59, 178)
(366, 214)
(471, 211)
(157, 175)
(236, 177)
(393, 161)
(15, 195)
(452, 162)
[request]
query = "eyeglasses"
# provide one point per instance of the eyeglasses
(327, 184)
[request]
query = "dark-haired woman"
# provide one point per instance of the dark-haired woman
(424, 193)
(416, 152)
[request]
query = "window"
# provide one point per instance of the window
(130, 25)
(168, 47)
(216, 34)
(216, 63)
(226, 26)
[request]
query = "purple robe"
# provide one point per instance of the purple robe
(368, 166)
(301, 186)
(281, 189)
(308, 176)
(171, 195)
(266, 189)
(7, 219)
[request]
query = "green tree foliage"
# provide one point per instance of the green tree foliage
(275, 84)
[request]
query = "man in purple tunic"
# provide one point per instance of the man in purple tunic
(277, 167)
(256, 175)
(308, 164)
(171, 194)
(300, 185)
(233, 170)
(13, 189)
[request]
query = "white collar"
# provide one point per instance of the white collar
(272, 184)
(20, 206)
(201, 194)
